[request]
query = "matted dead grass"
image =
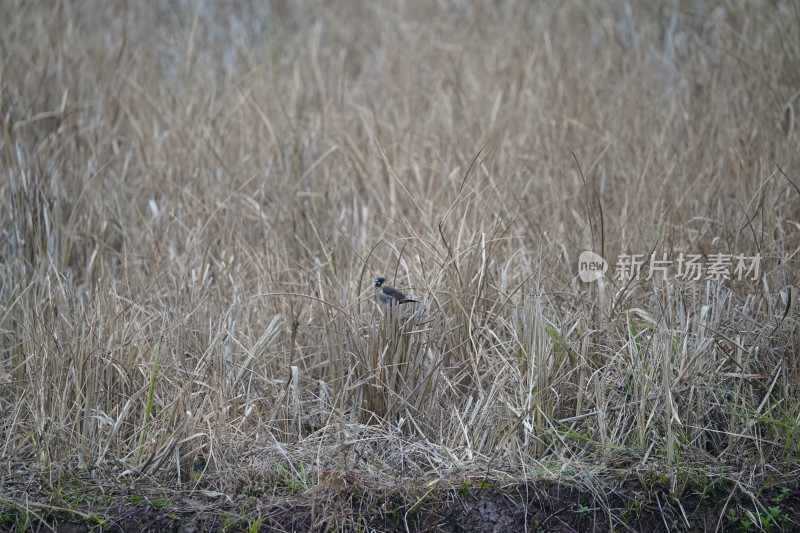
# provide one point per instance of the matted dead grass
(196, 198)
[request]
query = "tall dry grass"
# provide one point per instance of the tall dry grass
(196, 197)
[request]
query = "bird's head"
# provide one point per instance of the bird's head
(379, 282)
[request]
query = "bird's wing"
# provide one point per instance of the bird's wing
(393, 293)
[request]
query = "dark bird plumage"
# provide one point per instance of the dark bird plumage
(390, 295)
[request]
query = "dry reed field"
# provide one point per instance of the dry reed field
(197, 196)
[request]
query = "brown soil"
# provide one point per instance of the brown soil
(547, 506)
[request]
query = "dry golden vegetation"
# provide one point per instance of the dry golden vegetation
(195, 198)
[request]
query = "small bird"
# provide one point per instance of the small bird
(390, 295)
